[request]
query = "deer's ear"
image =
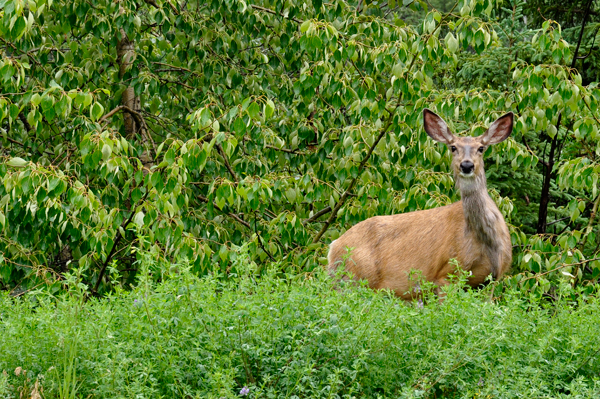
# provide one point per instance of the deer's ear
(499, 130)
(436, 128)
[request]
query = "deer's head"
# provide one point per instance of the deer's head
(467, 152)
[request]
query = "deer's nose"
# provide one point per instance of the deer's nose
(466, 167)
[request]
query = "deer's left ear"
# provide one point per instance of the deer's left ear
(499, 130)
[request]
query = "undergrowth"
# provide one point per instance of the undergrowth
(294, 337)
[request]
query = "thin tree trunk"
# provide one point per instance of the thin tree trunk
(545, 196)
(125, 56)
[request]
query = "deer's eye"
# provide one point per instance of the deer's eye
(481, 149)
(452, 148)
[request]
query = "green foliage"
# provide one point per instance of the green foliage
(277, 125)
(211, 337)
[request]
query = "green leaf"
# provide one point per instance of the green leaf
(269, 109)
(253, 110)
(304, 26)
(106, 152)
(223, 253)
(17, 162)
(96, 111)
(138, 219)
(170, 156)
(53, 183)
(239, 127)
(291, 195)
(36, 99)
(205, 118)
(87, 99)
(47, 102)
(451, 42)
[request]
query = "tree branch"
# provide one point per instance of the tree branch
(282, 149)
(231, 215)
(317, 215)
(545, 194)
(262, 245)
(25, 122)
(111, 113)
(583, 57)
(226, 161)
(138, 117)
(114, 247)
(361, 166)
(263, 9)
(28, 127)
(585, 16)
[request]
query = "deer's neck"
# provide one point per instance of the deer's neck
(481, 213)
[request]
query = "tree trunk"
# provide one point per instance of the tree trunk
(545, 197)
(125, 56)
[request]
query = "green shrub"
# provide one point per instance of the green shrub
(295, 337)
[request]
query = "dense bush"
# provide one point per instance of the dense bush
(190, 128)
(296, 337)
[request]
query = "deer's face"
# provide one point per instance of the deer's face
(467, 156)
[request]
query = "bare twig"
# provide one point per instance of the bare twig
(282, 149)
(226, 161)
(267, 10)
(262, 245)
(558, 220)
(114, 247)
(361, 166)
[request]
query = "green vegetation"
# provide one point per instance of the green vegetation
(297, 337)
(190, 128)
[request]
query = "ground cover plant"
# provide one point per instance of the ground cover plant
(297, 337)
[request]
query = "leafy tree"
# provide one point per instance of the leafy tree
(185, 129)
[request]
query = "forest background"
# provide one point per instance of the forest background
(191, 129)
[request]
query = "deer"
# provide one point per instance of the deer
(385, 250)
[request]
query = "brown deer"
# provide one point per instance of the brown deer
(384, 249)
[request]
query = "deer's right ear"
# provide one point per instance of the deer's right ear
(436, 128)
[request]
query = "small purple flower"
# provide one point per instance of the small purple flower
(481, 382)
(420, 303)
(245, 391)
